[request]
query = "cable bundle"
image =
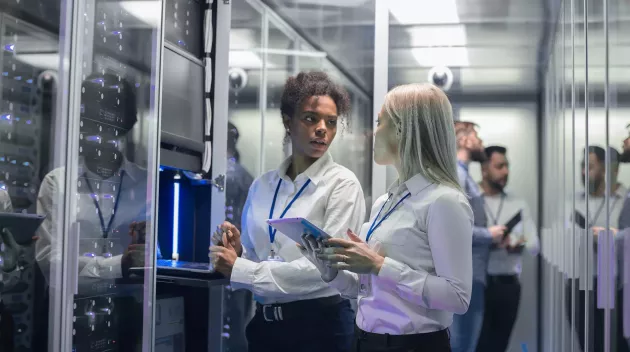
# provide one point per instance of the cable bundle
(208, 36)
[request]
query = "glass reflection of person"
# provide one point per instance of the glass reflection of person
(596, 222)
(503, 290)
(110, 190)
(467, 327)
(624, 228)
(6, 319)
(295, 310)
(411, 266)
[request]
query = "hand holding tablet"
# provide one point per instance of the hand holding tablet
(294, 228)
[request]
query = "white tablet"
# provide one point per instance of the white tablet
(294, 228)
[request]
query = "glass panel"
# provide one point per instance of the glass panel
(244, 144)
(31, 143)
(619, 138)
(112, 171)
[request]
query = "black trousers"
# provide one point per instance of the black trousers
(596, 318)
(315, 329)
(503, 295)
(438, 341)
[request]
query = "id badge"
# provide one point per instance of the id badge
(273, 257)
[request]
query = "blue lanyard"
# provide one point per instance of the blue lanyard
(376, 224)
(105, 229)
(272, 231)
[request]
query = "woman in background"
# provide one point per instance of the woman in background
(412, 263)
(295, 310)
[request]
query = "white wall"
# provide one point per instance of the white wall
(514, 127)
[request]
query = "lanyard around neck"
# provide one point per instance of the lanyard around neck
(495, 219)
(272, 231)
(376, 223)
(601, 207)
(105, 229)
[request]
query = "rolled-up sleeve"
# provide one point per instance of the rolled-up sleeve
(345, 210)
(449, 227)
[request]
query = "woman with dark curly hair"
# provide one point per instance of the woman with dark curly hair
(295, 310)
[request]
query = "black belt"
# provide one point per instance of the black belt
(297, 309)
(503, 279)
(433, 339)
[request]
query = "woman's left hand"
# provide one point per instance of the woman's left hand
(352, 255)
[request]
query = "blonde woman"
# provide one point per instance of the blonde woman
(411, 266)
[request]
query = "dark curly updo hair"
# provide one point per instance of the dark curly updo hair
(308, 84)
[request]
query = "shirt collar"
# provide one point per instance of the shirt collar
(414, 185)
(315, 172)
(463, 165)
(621, 192)
(132, 170)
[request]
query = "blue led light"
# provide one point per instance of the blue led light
(29, 81)
(181, 42)
(6, 117)
(18, 78)
(5, 74)
(9, 47)
(176, 217)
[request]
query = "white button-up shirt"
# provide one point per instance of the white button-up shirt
(332, 201)
(427, 272)
(132, 206)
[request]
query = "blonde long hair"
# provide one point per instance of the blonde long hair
(423, 118)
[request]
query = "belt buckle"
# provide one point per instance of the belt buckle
(277, 313)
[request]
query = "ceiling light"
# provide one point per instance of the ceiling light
(447, 35)
(148, 11)
(424, 11)
(44, 61)
(245, 59)
(442, 56)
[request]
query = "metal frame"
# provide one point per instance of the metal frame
(153, 162)
(381, 83)
(219, 156)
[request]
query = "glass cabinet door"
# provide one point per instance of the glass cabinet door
(32, 142)
(109, 181)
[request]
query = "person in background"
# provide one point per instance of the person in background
(624, 216)
(411, 264)
(295, 310)
(503, 290)
(624, 221)
(595, 221)
(467, 327)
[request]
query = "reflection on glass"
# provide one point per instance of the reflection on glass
(28, 61)
(112, 173)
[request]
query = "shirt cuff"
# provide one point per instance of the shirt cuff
(243, 273)
(391, 270)
(340, 282)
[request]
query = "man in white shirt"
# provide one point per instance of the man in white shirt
(503, 290)
(467, 327)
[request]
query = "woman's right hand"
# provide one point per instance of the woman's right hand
(310, 248)
(233, 236)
